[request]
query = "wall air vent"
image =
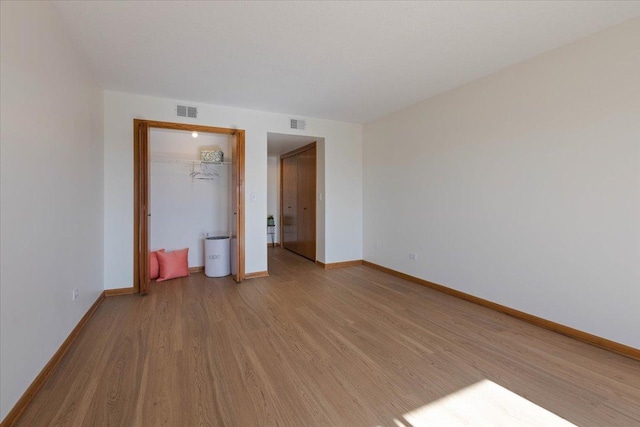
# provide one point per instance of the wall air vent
(186, 111)
(298, 124)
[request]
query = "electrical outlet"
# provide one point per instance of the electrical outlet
(413, 256)
(76, 294)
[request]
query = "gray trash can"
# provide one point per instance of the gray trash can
(216, 256)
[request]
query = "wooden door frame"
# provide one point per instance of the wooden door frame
(295, 152)
(141, 192)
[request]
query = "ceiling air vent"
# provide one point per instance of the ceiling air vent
(298, 124)
(186, 111)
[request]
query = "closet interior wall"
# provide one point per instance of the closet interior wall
(185, 209)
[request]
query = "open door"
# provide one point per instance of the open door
(237, 196)
(141, 128)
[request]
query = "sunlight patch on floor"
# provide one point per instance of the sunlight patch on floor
(484, 403)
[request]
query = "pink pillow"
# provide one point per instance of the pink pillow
(154, 268)
(173, 264)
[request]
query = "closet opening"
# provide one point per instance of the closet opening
(295, 195)
(188, 190)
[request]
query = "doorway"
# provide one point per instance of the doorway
(141, 196)
(277, 146)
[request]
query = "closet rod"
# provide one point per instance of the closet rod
(187, 161)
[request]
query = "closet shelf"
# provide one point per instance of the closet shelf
(217, 163)
(191, 162)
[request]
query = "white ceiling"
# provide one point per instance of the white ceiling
(350, 61)
(279, 143)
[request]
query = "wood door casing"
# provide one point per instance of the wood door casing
(141, 196)
(237, 194)
(298, 201)
(142, 148)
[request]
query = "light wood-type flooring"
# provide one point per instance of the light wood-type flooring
(306, 346)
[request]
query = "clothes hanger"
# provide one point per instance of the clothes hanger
(203, 173)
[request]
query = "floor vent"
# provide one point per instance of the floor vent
(298, 124)
(186, 111)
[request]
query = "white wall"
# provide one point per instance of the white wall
(51, 216)
(185, 210)
(522, 188)
(273, 194)
(343, 198)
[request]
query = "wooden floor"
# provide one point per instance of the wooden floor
(307, 346)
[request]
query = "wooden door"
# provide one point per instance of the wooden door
(142, 152)
(237, 194)
(289, 203)
(298, 201)
(307, 203)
